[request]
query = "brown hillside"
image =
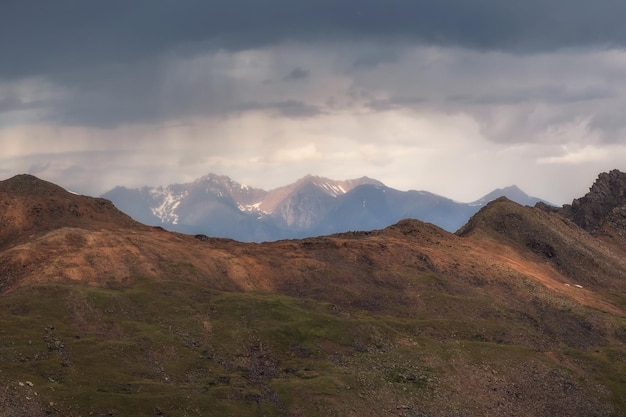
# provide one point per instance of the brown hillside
(517, 253)
(546, 238)
(31, 206)
(515, 278)
(53, 235)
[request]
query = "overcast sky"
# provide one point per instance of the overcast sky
(454, 97)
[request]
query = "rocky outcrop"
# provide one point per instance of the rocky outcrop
(604, 203)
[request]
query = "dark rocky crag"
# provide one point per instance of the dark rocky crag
(604, 204)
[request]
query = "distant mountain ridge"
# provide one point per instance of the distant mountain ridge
(218, 206)
(512, 192)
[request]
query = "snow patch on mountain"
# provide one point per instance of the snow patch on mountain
(332, 189)
(253, 208)
(169, 201)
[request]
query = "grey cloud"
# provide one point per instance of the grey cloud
(609, 123)
(292, 109)
(296, 74)
(112, 60)
(134, 92)
(9, 104)
(550, 94)
(169, 88)
(39, 167)
(296, 109)
(376, 57)
(396, 103)
(46, 37)
(12, 103)
(89, 172)
(566, 96)
(517, 118)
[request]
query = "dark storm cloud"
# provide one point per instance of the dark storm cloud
(108, 95)
(40, 37)
(109, 64)
(118, 94)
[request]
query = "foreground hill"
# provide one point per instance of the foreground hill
(521, 313)
(312, 206)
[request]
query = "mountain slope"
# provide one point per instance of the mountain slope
(312, 206)
(370, 207)
(104, 316)
(32, 206)
(552, 240)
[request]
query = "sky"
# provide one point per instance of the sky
(448, 96)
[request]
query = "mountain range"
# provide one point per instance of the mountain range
(521, 312)
(217, 206)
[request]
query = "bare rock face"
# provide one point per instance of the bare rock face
(604, 203)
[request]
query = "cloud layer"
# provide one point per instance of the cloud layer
(449, 96)
(47, 37)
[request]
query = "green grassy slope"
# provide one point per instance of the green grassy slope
(174, 348)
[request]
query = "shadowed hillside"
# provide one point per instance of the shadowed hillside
(521, 313)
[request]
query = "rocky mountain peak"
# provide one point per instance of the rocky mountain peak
(221, 180)
(512, 192)
(606, 196)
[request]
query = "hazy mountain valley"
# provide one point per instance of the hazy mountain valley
(521, 312)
